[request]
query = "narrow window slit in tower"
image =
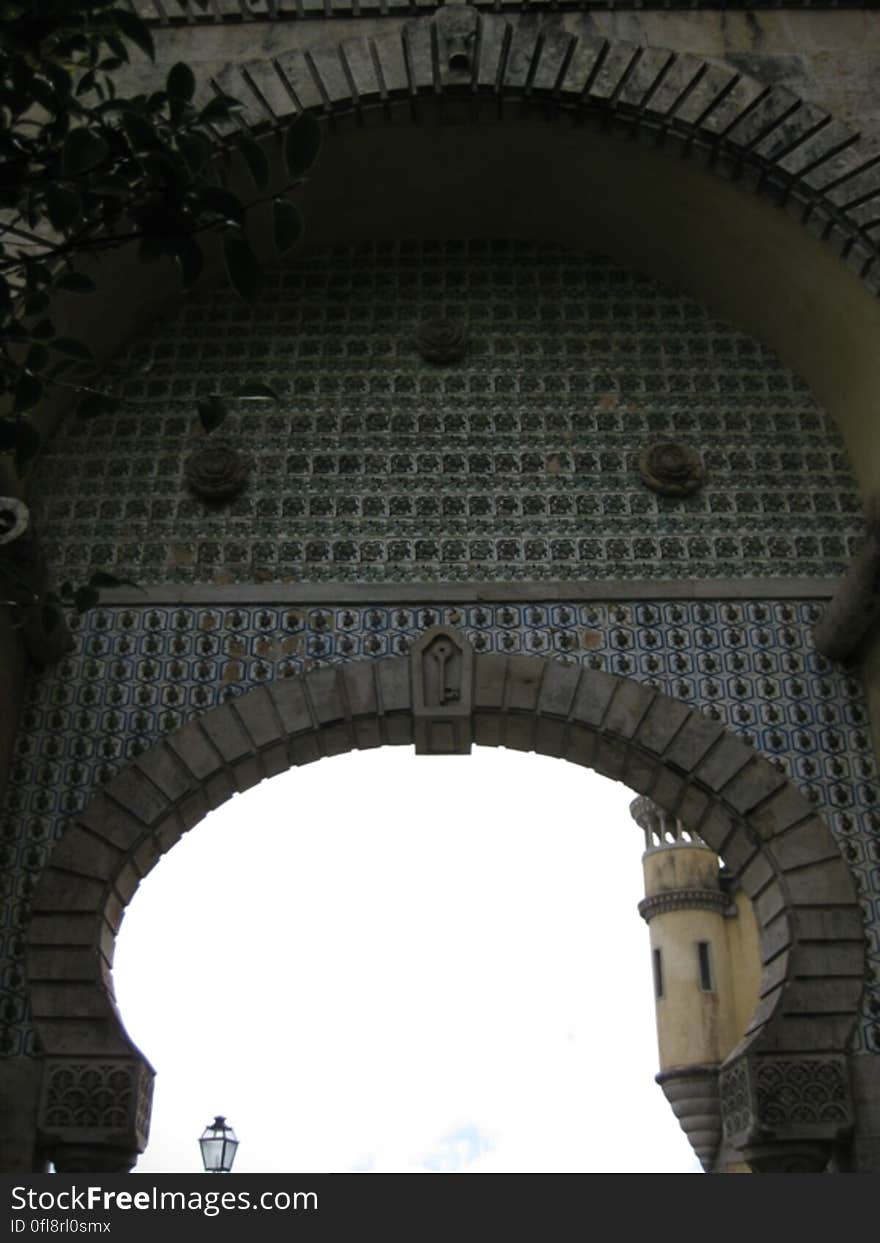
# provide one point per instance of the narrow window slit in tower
(705, 963)
(657, 960)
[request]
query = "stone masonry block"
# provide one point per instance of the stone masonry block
(161, 766)
(524, 676)
(490, 678)
(82, 852)
(757, 874)
(593, 697)
(488, 729)
(785, 808)
(753, 785)
(359, 682)
(394, 683)
(651, 65)
(61, 891)
(626, 709)
(701, 98)
(334, 85)
(724, 761)
(256, 713)
(72, 928)
(294, 67)
(558, 689)
(668, 789)
(102, 816)
(828, 996)
(819, 923)
(769, 903)
(821, 884)
(292, 705)
(520, 57)
(98, 1037)
(734, 104)
(361, 69)
(642, 772)
(775, 937)
(739, 850)
(581, 65)
(775, 973)
(224, 730)
(672, 90)
(580, 746)
(614, 67)
(73, 965)
(192, 747)
(325, 689)
(554, 50)
(692, 742)
(716, 828)
(814, 1032)
(837, 958)
(763, 119)
(810, 842)
(392, 63)
(137, 795)
(692, 808)
(519, 732)
(662, 722)
(610, 758)
(75, 1000)
(269, 86)
(493, 40)
(550, 737)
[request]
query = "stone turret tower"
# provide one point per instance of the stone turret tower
(706, 967)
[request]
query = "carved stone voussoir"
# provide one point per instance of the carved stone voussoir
(442, 680)
(769, 1101)
(102, 1101)
(671, 469)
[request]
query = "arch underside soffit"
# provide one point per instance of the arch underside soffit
(787, 1081)
(463, 64)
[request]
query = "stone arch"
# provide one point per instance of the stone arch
(784, 1090)
(464, 64)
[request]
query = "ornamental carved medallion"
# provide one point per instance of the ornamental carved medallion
(441, 341)
(215, 471)
(671, 469)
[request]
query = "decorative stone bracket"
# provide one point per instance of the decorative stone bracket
(785, 1113)
(94, 1113)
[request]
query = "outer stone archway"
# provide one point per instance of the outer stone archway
(784, 1090)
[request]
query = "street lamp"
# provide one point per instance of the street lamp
(218, 1145)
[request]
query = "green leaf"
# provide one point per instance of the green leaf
(256, 160)
(134, 29)
(63, 206)
(72, 348)
(28, 392)
(75, 282)
(221, 202)
(83, 150)
(189, 260)
(8, 434)
(181, 82)
(95, 404)
(242, 267)
(195, 150)
(102, 580)
(253, 390)
(219, 108)
(85, 598)
(287, 225)
(37, 358)
(212, 412)
(302, 142)
(27, 446)
(141, 131)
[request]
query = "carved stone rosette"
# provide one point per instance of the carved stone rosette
(671, 469)
(441, 341)
(215, 471)
(95, 1112)
(784, 1113)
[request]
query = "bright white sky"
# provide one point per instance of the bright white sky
(383, 962)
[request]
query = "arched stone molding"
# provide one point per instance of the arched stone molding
(465, 64)
(784, 1088)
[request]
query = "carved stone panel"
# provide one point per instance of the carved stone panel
(442, 674)
(96, 1102)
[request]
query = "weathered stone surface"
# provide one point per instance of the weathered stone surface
(692, 742)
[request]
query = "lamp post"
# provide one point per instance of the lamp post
(218, 1145)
